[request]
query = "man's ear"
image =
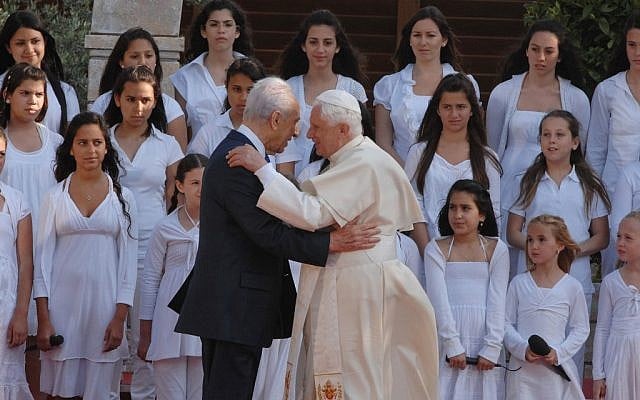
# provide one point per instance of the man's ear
(274, 119)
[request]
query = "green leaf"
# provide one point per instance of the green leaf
(604, 25)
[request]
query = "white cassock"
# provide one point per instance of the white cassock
(369, 328)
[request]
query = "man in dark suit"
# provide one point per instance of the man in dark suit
(241, 295)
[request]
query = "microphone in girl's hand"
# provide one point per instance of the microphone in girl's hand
(540, 347)
(54, 341)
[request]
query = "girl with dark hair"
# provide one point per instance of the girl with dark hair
(23, 38)
(176, 357)
(241, 76)
(542, 75)
(452, 145)
(219, 35)
(616, 345)
(561, 182)
(426, 53)
(467, 272)
(85, 270)
(613, 140)
(320, 57)
(135, 47)
(548, 302)
(16, 274)
(149, 159)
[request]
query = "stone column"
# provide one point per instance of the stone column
(112, 17)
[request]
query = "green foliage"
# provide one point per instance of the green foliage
(68, 22)
(595, 27)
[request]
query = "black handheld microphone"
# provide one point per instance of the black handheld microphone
(54, 341)
(540, 347)
(474, 361)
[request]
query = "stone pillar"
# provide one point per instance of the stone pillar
(112, 17)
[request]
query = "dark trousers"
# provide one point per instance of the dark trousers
(230, 370)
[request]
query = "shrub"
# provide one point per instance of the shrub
(594, 26)
(68, 22)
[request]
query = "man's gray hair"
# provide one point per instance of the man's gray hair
(335, 115)
(268, 95)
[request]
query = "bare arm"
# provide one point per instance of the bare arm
(599, 239)
(384, 132)
(515, 236)
(145, 338)
(115, 330)
(17, 329)
(178, 129)
(420, 235)
(45, 328)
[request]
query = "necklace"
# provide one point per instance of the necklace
(193, 222)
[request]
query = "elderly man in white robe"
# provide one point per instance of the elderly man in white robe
(363, 327)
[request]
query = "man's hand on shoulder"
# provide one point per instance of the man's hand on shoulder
(352, 237)
(246, 157)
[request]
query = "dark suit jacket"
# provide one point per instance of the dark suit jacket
(241, 289)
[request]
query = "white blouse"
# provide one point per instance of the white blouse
(171, 107)
(145, 176)
(567, 201)
(54, 112)
(614, 139)
(205, 99)
(440, 176)
(395, 93)
(32, 172)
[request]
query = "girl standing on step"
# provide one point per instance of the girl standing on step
(85, 270)
(541, 76)
(467, 272)
(616, 346)
(560, 182)
(613, 140)
(30, 157)
(172, 250)
(548, 302)
(452, 145)
(149, 158)
(426, 53)
(320, 57)
(137, 47)
(219, 35)
(16, 276)
(241, 75)
(24, 39)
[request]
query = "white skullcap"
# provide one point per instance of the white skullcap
(340, 98)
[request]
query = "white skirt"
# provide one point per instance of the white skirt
(78, 377)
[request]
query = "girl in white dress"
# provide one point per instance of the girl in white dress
(613, 140)
(172, 250)
(31, 153)
(134, 47)
(560, 182)
(148, 158)
(24, 39)
(616, 346)
(425, 54)
(85, 270)
(16, 277)
(241, 76)
(320, 57)
(452, 145)
(541, 76)
(548, 302)
(467, 272)
(218, 35)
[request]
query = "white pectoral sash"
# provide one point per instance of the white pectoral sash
(327, 358)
